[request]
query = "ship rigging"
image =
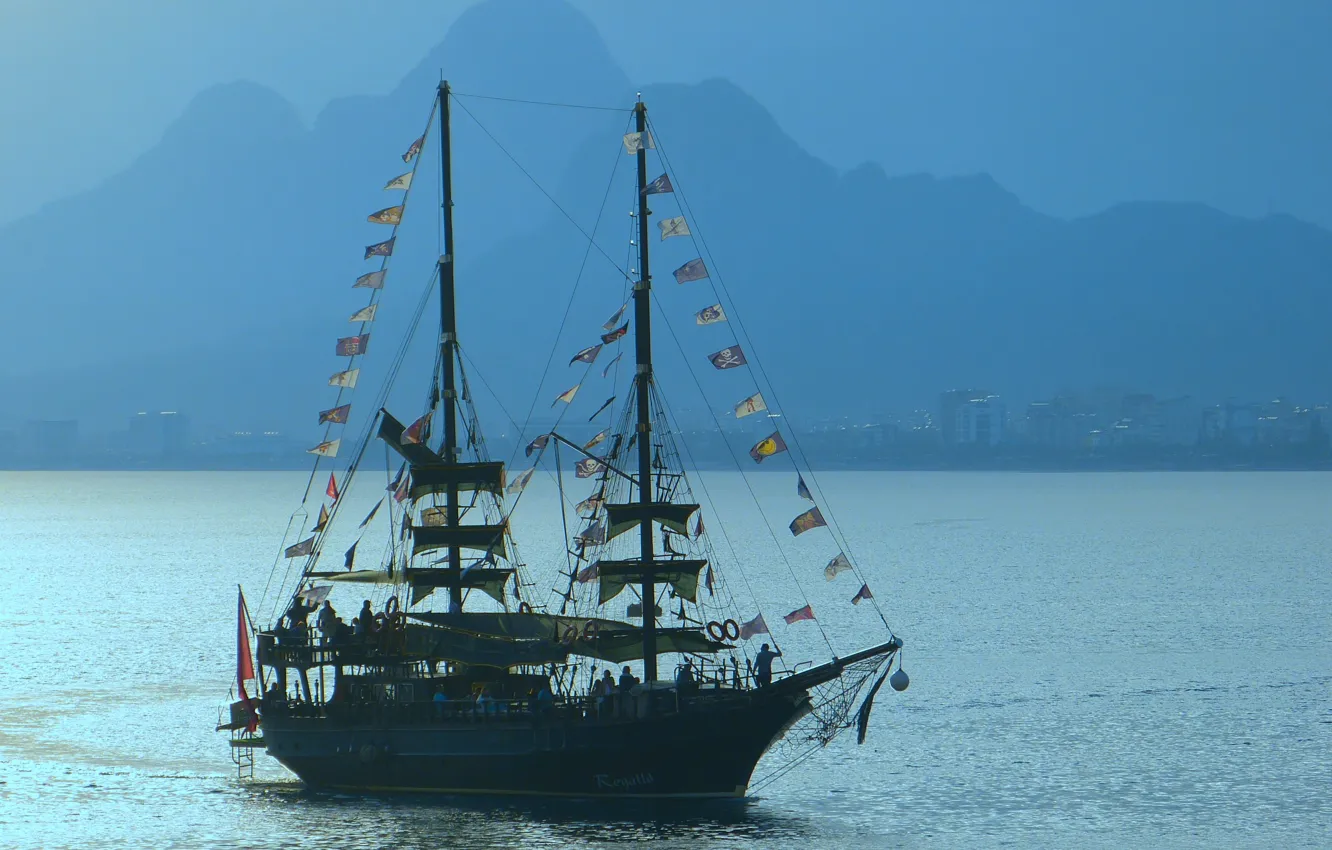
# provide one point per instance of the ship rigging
(485, 687)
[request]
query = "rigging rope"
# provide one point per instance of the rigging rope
(701, 244)
(375, 294)
(559, 334)
(543, 191)
(743, 475)
(366, 437)
(544, 103)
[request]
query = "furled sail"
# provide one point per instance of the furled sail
(422, 581)
(592, 637)
(681, 575)
(484, 650)
(626, 516)
(487, 580)
(483, 538)
(438, 477)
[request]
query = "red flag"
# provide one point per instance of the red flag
(332, 488)
(863, 593)
(244, 660)
(698, 527)
(806, 613)
(418, 430)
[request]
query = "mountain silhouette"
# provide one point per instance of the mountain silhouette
(213, 275)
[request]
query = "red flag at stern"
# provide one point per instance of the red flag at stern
(244, 660)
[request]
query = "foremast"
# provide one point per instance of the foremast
(643, 391)
(443, 473)
(448, 341)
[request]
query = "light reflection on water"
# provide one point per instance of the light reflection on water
(1097, 660)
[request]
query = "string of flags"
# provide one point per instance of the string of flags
(725, 359)
(734, 357)
(355, 346)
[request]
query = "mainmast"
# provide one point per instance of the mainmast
(643, 380)
(448, 341)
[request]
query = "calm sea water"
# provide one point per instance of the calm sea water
(1097, 661)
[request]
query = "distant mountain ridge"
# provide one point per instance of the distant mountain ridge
(212, 275)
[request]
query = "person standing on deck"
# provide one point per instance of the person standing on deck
(328, 622)
(627, 682)
(298, 611)
(763, 665)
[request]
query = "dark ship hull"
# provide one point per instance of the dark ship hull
(709, 749)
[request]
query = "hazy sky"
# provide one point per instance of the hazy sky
(1072, 105)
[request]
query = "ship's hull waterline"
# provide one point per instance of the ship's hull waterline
(697, 754)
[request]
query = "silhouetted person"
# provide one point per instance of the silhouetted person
(298, 611)
(684, 677)
(627, 682)
(763, 665)
(328, 621)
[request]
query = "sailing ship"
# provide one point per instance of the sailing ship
(462, 681)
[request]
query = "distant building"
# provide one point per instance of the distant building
(51, 442)
(1240, 424)
(1181, 421)
(980, 422)
(1140, 422)
(165, 434)
(1062, 423)
(949, 403)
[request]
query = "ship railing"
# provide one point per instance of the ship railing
(314, 651)
(564, 710)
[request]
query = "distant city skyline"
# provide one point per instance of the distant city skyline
(1058, 430)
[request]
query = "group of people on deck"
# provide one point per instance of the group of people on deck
(328, 625)
(610, 699)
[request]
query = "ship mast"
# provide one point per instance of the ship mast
(448, 341)
(643, 380)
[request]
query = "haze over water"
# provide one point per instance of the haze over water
(1096, 660)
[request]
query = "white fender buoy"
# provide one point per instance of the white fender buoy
(899, 680)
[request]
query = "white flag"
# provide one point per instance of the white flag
(837, 565)
(328, 448)
(566, 396)
(305, 547)
(673, 227)
(710, 315)
(753, 404)
(344, 379)
(365, 315)
(753, 628)
(633, 142)
(518, 483)
(402, 181)
(372, 280)
(614, 321)
(595, 441)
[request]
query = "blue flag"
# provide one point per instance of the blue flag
(660, 186)
(801, 490)
(379, 249)
(692, 270)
